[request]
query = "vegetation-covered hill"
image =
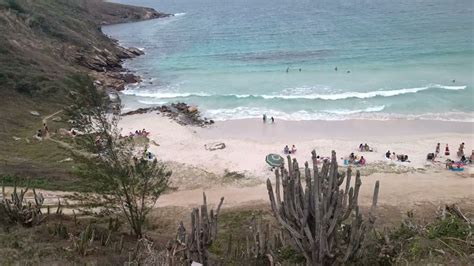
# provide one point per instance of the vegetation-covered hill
(43, 43)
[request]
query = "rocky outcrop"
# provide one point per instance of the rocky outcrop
(107, 13)
(107, 69)
(182, 113)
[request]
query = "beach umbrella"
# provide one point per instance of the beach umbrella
(274, 160)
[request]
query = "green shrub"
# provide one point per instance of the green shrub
(290, 255)
(448, 227)
(14, 5)
(28, 88)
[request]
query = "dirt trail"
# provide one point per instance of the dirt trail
(46, 118)
(404, 191)
(401, 190)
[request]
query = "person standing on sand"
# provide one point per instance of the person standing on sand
(438, 148)
(264, 118)
(446, 151)
(46, 130)
(273, 120)
(461, 150)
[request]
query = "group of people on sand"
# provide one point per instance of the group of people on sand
(455, 165)
(396, 157)
(365, 147)
(354, 159)
(141, 133)
(287, 150)
(272, 120)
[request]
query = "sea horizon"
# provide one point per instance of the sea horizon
(316, 61)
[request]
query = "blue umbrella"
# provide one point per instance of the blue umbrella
(274, 160)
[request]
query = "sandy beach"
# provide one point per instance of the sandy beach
(249, 141)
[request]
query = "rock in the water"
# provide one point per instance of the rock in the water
(180, 112)
(135, 51)
(130, 78)
(192, 109)
(35, 113)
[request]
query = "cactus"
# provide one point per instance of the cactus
(19, 210)
(83, 244)
(60, 230)
(194, 246)
(323, 219)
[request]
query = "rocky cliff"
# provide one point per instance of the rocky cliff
(43, 41)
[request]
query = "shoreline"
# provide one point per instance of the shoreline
(339, 129)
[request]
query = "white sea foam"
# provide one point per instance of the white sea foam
(179, 14)
(333, 97)
(162, 95)
(370, 113)
(255, 112)
(364, 95)
(152, 102)
(349, 112)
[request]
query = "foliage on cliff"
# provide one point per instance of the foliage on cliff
(42, 43)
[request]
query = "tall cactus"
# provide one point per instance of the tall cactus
(19, 210)
(322, 219)
(194, 246)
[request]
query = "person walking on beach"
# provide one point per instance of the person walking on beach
(438, 148)
(264, 118)
(273, 120)
(446, 151)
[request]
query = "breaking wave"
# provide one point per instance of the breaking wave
(333, 97)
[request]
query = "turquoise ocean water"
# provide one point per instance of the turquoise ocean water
(395, 59)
